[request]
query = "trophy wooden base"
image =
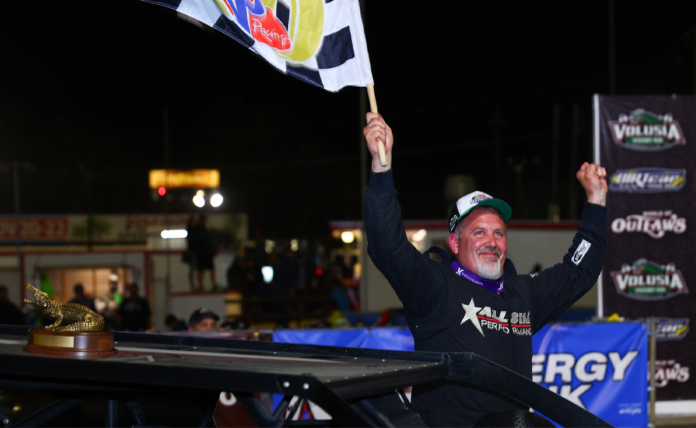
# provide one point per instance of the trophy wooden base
(71, 344)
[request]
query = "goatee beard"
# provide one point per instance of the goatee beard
(489, 270)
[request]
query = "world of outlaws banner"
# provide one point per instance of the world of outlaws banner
(647, 145)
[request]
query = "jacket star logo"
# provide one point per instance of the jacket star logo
(471, 311)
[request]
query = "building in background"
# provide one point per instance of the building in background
(104, 252)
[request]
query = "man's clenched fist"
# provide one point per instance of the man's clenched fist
(592, 177)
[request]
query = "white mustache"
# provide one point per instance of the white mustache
(487, 249)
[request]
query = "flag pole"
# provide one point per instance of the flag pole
(373, 108)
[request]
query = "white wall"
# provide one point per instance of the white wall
(526, 247)
(375, 292)
(179, 280)
(10, 279)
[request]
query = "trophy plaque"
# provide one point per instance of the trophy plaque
(74, 344)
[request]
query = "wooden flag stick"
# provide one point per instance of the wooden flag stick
(373, 108)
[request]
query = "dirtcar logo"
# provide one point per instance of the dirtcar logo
(654, 223)
(519, 323)
(590, 367)
(646, 131)
(668, 370)
(646, 280)
(671, 329)
(647, 180)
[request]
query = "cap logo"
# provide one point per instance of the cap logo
(453, 221)
(480, 197)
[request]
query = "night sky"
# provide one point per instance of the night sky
(85, 84)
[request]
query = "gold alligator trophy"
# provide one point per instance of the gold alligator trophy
(81, 317)
(82, 337)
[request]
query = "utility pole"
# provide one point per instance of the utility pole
(693, 56)
(574, 139)
(554, 209)
(612, 50)
(18, 237)
(165, 142)
(498, 123)
(363, 122)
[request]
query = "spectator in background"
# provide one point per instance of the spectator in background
(80, 297)
(189, 256)
(174, 324)
(204, 249)
(203, 319)
(108, 306)
(134, 312)
(288, 279)
(236, 277)
(9, 312)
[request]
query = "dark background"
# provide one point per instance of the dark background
(85, 83)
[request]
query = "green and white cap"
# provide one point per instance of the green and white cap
(466, 203)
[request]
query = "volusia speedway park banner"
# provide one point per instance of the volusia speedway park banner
(648, 146)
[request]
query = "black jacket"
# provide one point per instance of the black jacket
(447, 313)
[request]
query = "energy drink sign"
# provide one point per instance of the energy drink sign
(648, 146)
(600, 367)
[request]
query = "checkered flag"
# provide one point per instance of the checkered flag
(321, 42)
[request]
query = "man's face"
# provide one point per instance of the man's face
(133, 290)
(206, 324)
(482, 244)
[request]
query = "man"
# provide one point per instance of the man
(204, 249)
(9, 313)
(80, 297)
(134, 311)
(203, 319)
(475, 302)
(174, 324)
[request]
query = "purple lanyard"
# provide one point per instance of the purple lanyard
(496, 287)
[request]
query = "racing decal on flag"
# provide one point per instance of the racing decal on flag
(321, 42)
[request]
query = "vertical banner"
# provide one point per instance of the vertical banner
(648, 146)
(600, 367)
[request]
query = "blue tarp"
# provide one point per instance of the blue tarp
(398, 339)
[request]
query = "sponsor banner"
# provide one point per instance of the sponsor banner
(671, 329)
(647, 180)
(600, 367)
(184, 178)
(647, 145)
(646, 280)
(110, 228)
(35, 228)
(646, 131)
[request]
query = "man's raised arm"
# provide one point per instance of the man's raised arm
(409, 273)
(557, 288)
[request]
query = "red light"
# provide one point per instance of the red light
(162, 191)
(319, 272)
